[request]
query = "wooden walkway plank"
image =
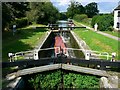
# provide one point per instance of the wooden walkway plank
(85, 70)
(61, 66)
(37, 69)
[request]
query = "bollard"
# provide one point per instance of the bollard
(10, 56)
(96, 26)
(87, 56)
(36, 54)
(113, 56)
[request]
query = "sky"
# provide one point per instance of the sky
(104, 6)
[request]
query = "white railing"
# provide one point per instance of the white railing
(88, 53)
(15, 56)
(98, 54)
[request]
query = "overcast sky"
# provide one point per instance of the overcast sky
(105, 6)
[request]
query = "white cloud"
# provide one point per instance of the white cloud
(64, 2)
(61, 2)
(97, 0)
(84, 2)
(107, 5)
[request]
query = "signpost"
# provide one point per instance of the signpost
(14, 29)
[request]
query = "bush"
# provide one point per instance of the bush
(87, 21)
(19, 23)
(105, 22)
(94, 20)
(81, 17)
(110, 28)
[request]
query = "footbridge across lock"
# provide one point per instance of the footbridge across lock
(89, 54)
(62, 59)
(60, 62)
(32, 66)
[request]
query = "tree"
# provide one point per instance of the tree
(42, 12)
(6, 15)
(80, 17)
(19, 8)
(75, 8)
(12, 10)
(91, 9)
(63, 16)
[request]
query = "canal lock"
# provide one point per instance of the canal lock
(69, 42)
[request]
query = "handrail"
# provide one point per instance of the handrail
(61, 59)
(92, 53)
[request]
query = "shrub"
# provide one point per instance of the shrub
(94, 19)
(110, 28)
(81, 17)
(19, 23)
(87, 21)
(104, 22)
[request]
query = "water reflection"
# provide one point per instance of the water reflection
(63, 23)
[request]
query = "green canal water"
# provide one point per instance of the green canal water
(61, 79)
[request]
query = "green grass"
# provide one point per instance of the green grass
(117, 34)
(77, 23)
(87, 22)
(24, 39)
(34, 25)
(98, 42)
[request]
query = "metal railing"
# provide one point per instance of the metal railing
(62, 59)
(88, 53)
(15, 56)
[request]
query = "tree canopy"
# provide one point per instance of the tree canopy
(42, 12)
(38, 12)
(63, 16)
(12, 10)
(75, 8)
(91, 9)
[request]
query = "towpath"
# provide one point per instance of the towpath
(102, 33)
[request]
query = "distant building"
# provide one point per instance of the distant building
(117, 18)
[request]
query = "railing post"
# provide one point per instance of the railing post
(10, 55)
(36, 54)
(113, 56)
(102, 66)
(15, 57)
(107, 56)
(87, 56)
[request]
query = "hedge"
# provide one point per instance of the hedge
(94, 20)
(105, 22)
(80, 17)
(22, 22)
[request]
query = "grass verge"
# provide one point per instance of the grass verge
(117, 34)
(98, 42)
(87, 22)
(24, 39)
